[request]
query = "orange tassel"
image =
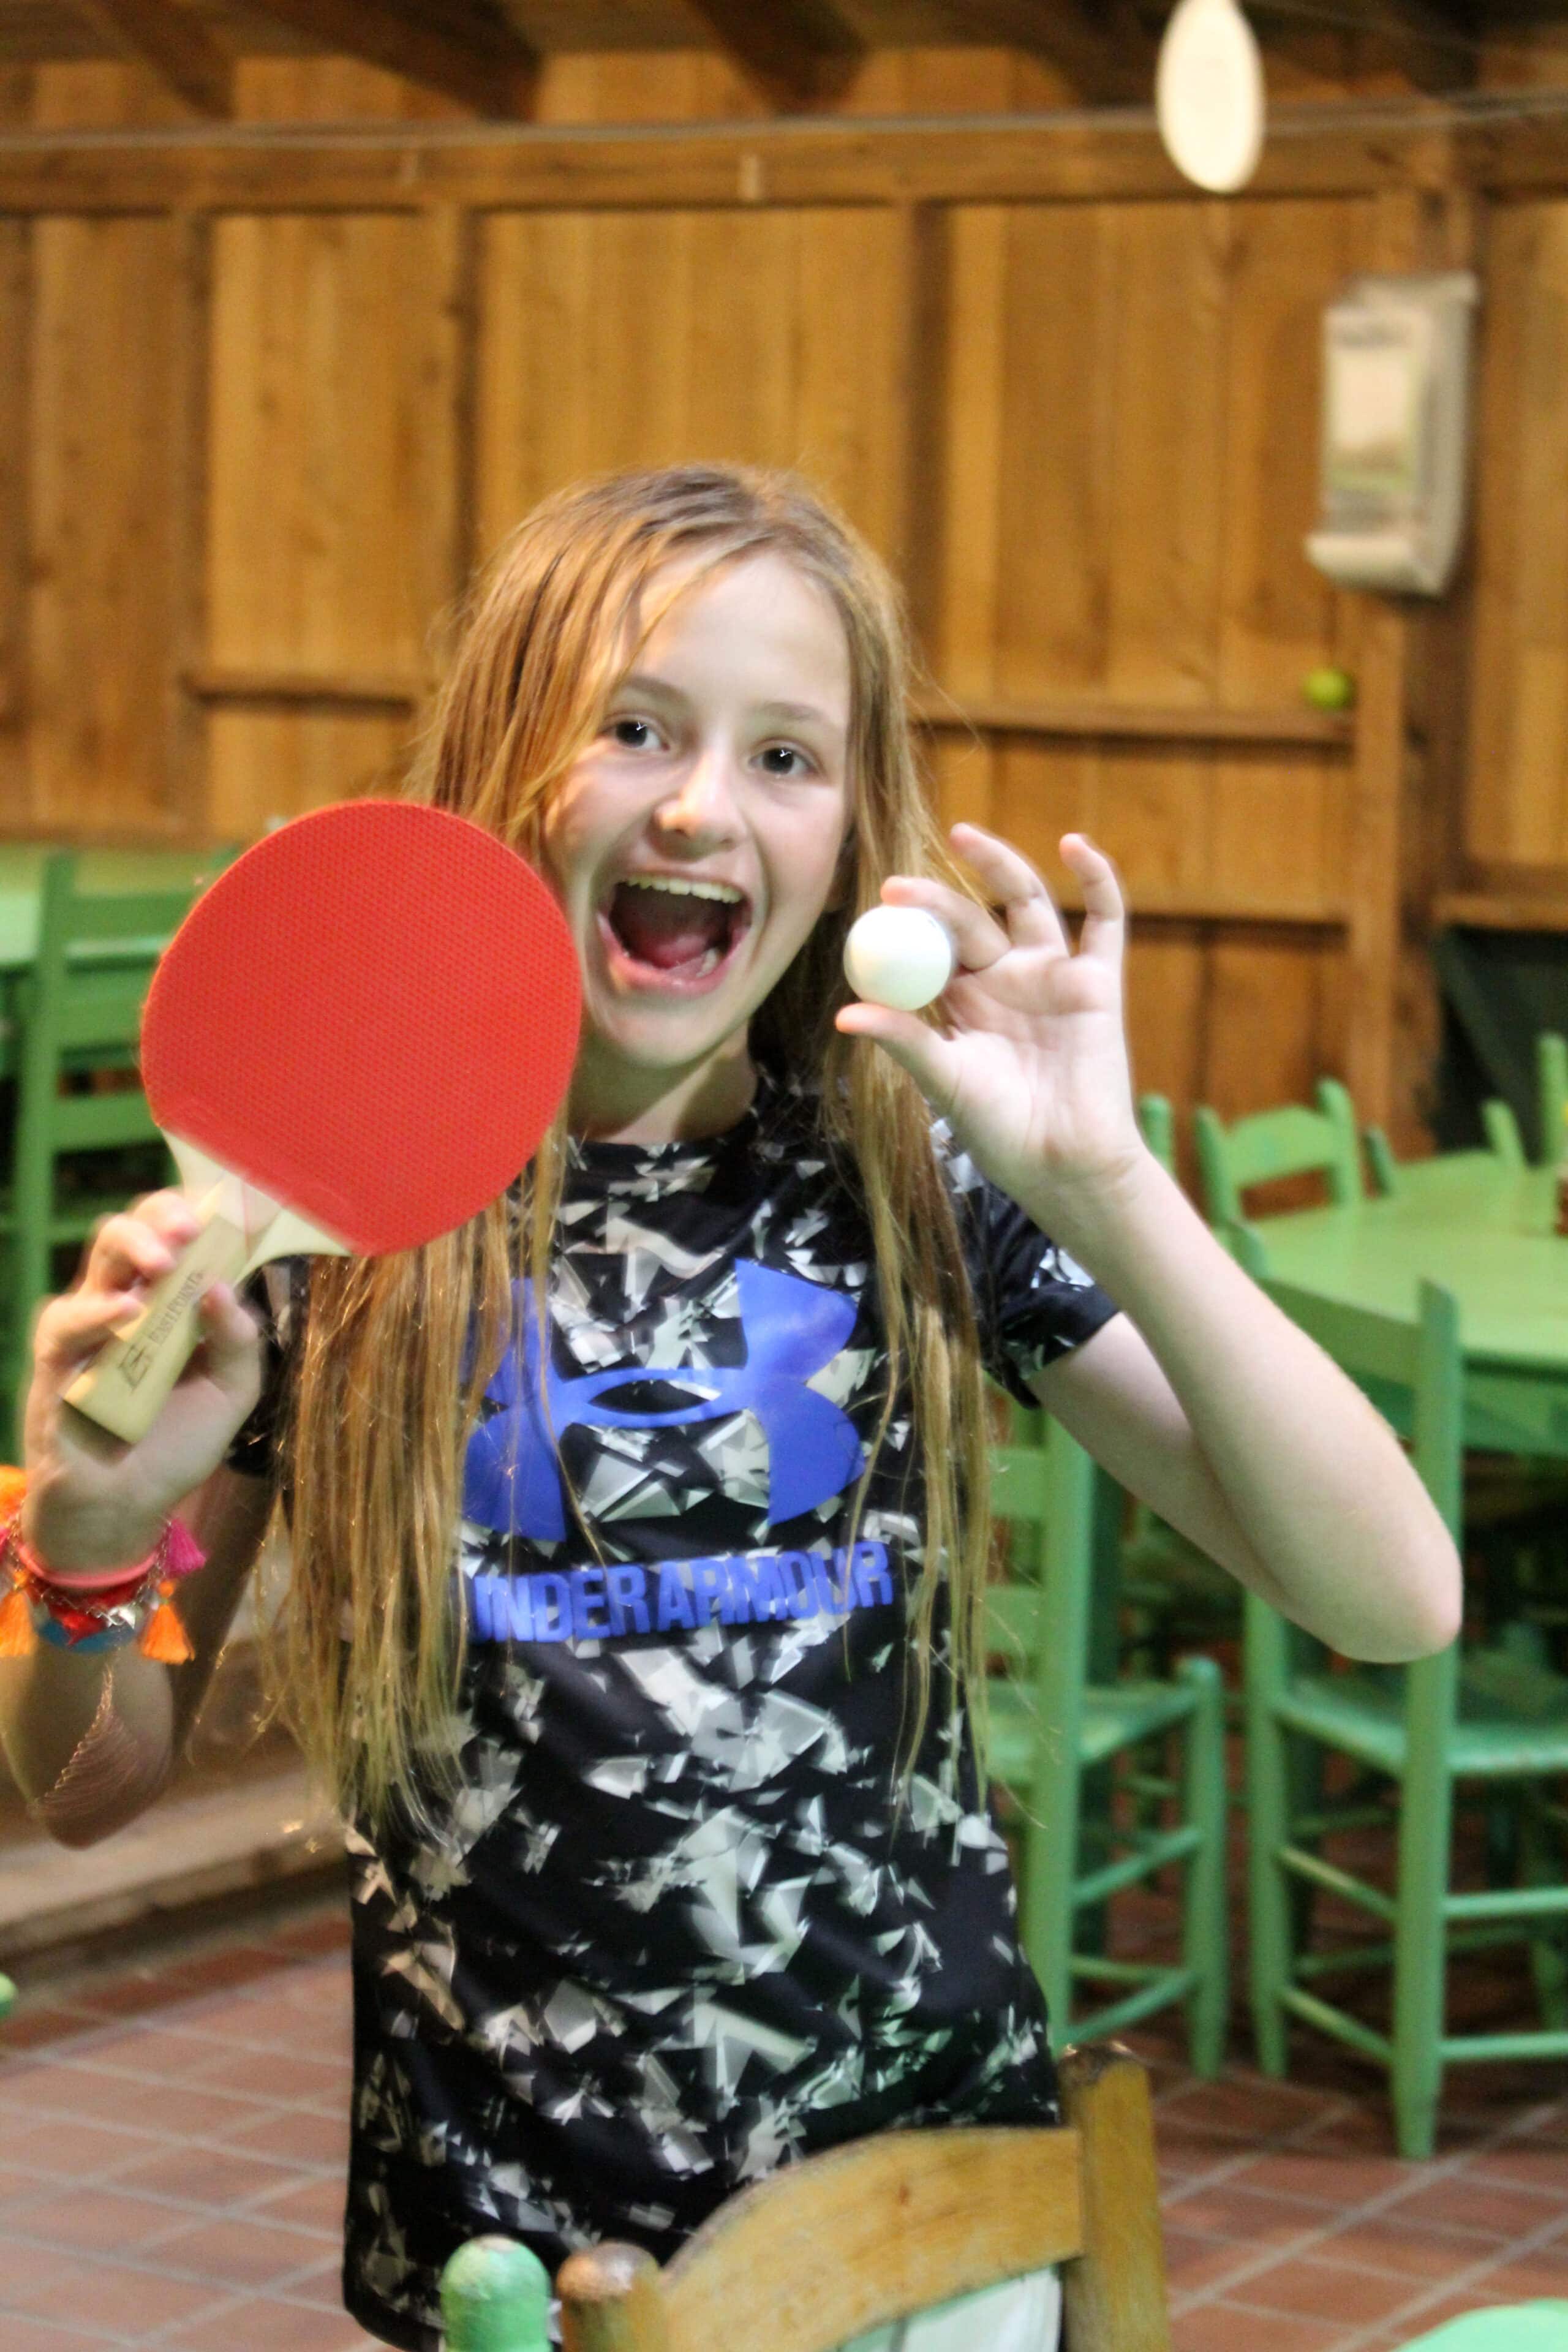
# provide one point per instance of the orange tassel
(17, 1639)
(163, 1637)
(13, 1487)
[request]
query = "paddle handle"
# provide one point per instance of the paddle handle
(127, 1384)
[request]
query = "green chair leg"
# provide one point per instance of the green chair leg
(1204, 1918)
(1268, 1831)
(1420, 1954)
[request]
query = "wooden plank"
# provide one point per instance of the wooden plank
(318, 690)
(1017, 159)
(106, 396)
(1102, 49)
(178, 45)
(15, 420)
(330, 529)
(185, 787)
(797, 52)
(776, 338)
(267, 764)
(1127, 721)
(470, 52)
(969, 488)
(1483, 910)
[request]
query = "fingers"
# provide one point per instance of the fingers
(140, 1243)
(1029, 911)
(1103, 935)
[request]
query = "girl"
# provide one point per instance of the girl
(673, 1861)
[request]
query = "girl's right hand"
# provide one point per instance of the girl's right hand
(92, 1500)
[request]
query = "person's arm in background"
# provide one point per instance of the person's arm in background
(91, 1738)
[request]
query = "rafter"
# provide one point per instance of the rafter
(463, 48)
(794, 51)
(1435, 49)
(1101, 46)
(178, 46)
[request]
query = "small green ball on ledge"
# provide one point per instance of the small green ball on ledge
(1329, 687)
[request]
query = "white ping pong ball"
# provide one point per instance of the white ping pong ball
(901, 957)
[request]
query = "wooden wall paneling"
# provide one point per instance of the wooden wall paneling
(16, 337)
(1517, 807)
(610, 340)
(103, 561)
(186, 639)
(972, 483)
(266, 763)
(1166, 971)
(334, 526)
(1273, 1016)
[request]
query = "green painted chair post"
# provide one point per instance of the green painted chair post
(1551, 1095)
(1049, 1727)
(78, 1011)
(1500, 1128)
(1269, 1144)
(1486, 1720)
(1159, 1129)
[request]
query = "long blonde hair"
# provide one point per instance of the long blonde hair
(382, 1404)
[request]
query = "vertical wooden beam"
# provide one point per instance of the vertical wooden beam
(186, 788)
(458, 235)
(1406, 769)
(919, 399)
(15, 419)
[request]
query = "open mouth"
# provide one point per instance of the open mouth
(665, 932)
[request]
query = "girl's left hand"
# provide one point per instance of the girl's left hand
(1029, 1065)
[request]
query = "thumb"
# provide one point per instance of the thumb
(914, 1045)
(231, 1337)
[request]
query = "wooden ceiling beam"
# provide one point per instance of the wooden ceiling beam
(464, 48)
(797, 52)
(1101, 46)
(1436, 45)
(178, 46)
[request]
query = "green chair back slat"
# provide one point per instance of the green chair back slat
(1551, 1094)
(78, 1011)
(1267, 1145)
(1500, 1128)
(1159, 1129)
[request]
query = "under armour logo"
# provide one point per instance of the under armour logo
(792, 1327)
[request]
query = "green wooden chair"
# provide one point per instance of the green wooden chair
(1485, 1720)
(1551, 1095)
(76, 1020)
(1270, 1144)
(1051, 1728)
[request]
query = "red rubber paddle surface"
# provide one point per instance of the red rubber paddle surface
(372, 1015)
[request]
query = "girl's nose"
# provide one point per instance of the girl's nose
(702, 807)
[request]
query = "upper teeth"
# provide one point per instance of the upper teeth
(694, 890)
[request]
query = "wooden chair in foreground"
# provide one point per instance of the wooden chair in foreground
(863, 2235)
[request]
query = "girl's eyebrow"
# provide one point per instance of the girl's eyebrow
(642, 682)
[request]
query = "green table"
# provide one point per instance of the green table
(1485, 1232)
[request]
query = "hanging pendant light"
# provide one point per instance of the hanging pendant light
(1208, 94)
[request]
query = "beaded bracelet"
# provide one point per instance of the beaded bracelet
(136, 1607)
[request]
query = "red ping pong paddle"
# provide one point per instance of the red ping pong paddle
(354, 1042)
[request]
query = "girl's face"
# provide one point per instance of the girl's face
(696, 842)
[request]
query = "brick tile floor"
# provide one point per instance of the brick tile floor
(172, 2142)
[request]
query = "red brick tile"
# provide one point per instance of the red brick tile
(1340, 2182)
(177, 2111)
(205, 2176)
(1522, 2166)
(1541, 2275)
(1250, 2107)
(42, 2027)
(136, 1994)
(273, 2074)
(106, 2222)
(234, 2250)
(315, 2204)
(19, 2335)
(233, 1965)
(75, 2151)
(271, 2327)
(158, 2050)
(1193, 2262)
(79, 2292)
(296, 2136)
(1461, 2202)
(1326, 2290)
(1226, 2326)
(1431, 2316)
(1221, 2209)
(1412, 2250)
(315, 1939)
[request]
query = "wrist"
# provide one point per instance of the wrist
(1093, 1217)
(86, 1549)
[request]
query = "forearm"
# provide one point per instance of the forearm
(1341, 1534)
(91, 1738)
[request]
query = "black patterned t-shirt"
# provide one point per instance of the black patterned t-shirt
(679, 1928)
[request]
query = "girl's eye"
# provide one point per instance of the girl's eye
(634, 734)
(784, 760)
